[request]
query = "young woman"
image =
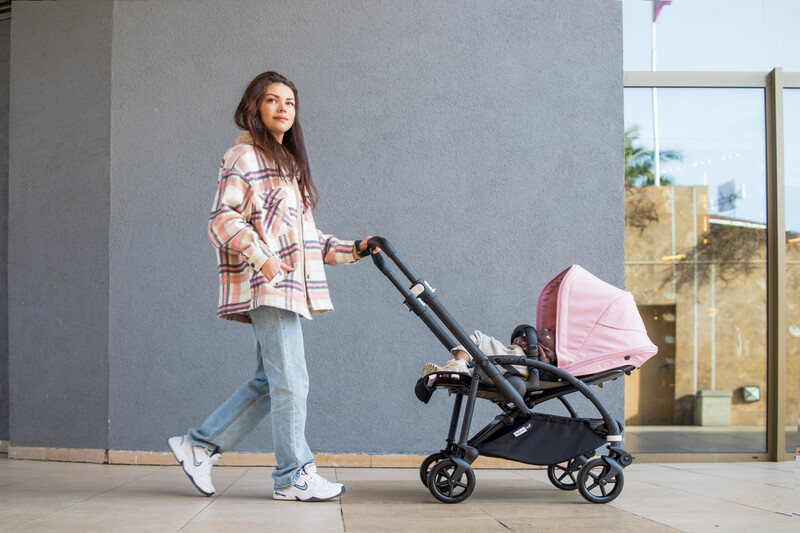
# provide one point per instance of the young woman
(270, 257)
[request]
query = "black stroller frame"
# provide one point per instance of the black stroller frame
(517, 433)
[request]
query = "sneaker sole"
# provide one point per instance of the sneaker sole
(175, 454)
(285, 498)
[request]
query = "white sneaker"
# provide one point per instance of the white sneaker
(456, 366)
(196, 461)
(309, 487)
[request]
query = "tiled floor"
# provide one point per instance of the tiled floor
(719, 497)
(703, 439)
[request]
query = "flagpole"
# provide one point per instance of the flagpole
(656, 147)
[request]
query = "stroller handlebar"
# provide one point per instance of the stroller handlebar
(416, 300)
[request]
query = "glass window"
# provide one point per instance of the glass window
(791, 116)
(696, 264)
(712, 35)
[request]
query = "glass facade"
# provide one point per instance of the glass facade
(696, 264)
(712, 113)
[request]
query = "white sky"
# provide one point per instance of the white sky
(718, 35)
(720, 132)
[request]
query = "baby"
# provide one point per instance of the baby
(486, 344)
(491, 346)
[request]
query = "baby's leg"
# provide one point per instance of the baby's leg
(462, 355)
(457, 365)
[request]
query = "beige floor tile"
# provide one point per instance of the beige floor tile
(548, 510)
(702, 513)
(46, 496)
(253, 485)
(21, 505)
(16, 471)
(716, 517)
(647, 467)
(374, 492)
(616, 524)
(8, 525)
(421, 524)
(101, 524)
(767, 497)
(514, 491)
(431, 509)
(227, 514)
(124, 515)
(173, 481)
(750, 474)
(773, 497)
(249, 526)
(538, 475)
(509, 475)
(269, 509)
(143, 495)
(82, 482)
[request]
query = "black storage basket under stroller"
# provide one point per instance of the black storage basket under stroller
(543, 439)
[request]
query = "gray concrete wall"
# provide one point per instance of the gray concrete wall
(483, 139)
(58, 223)
(5, 35)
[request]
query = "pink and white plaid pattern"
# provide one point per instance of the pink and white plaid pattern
(254, 217)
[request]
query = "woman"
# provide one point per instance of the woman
(270, 257)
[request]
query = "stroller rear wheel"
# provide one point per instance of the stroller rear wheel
(564, 475)
(425, 467)
(447, 486)
(596, 484)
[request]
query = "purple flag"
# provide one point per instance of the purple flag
(658, 5)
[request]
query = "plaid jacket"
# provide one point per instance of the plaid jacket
(255, 216)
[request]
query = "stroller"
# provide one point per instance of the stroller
(599, 337)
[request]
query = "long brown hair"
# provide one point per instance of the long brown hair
(290, 156)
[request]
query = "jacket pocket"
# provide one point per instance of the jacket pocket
(279, 212)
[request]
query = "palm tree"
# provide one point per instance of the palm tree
(639, 162)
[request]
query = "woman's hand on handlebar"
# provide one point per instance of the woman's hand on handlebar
(361, 247)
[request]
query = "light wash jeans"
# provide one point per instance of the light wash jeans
(280, 387)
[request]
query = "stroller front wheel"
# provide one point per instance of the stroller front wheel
(425, 467)
(596, 484)
(447, 485)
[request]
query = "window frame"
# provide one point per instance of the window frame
(773, 83)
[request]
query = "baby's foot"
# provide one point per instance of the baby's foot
(456, 366)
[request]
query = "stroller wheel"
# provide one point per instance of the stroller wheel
(448, 487)
(425, 467)
(595, 483)
(563, 475)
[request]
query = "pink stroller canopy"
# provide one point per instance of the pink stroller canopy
(597, 326)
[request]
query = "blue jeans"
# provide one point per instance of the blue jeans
(280, 387)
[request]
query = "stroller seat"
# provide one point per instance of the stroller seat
(460, 383)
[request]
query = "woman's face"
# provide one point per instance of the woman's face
(277, 109)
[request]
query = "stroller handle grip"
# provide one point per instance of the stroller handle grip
(388, 249)
(379, 242)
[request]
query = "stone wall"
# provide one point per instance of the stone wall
(719, 298)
